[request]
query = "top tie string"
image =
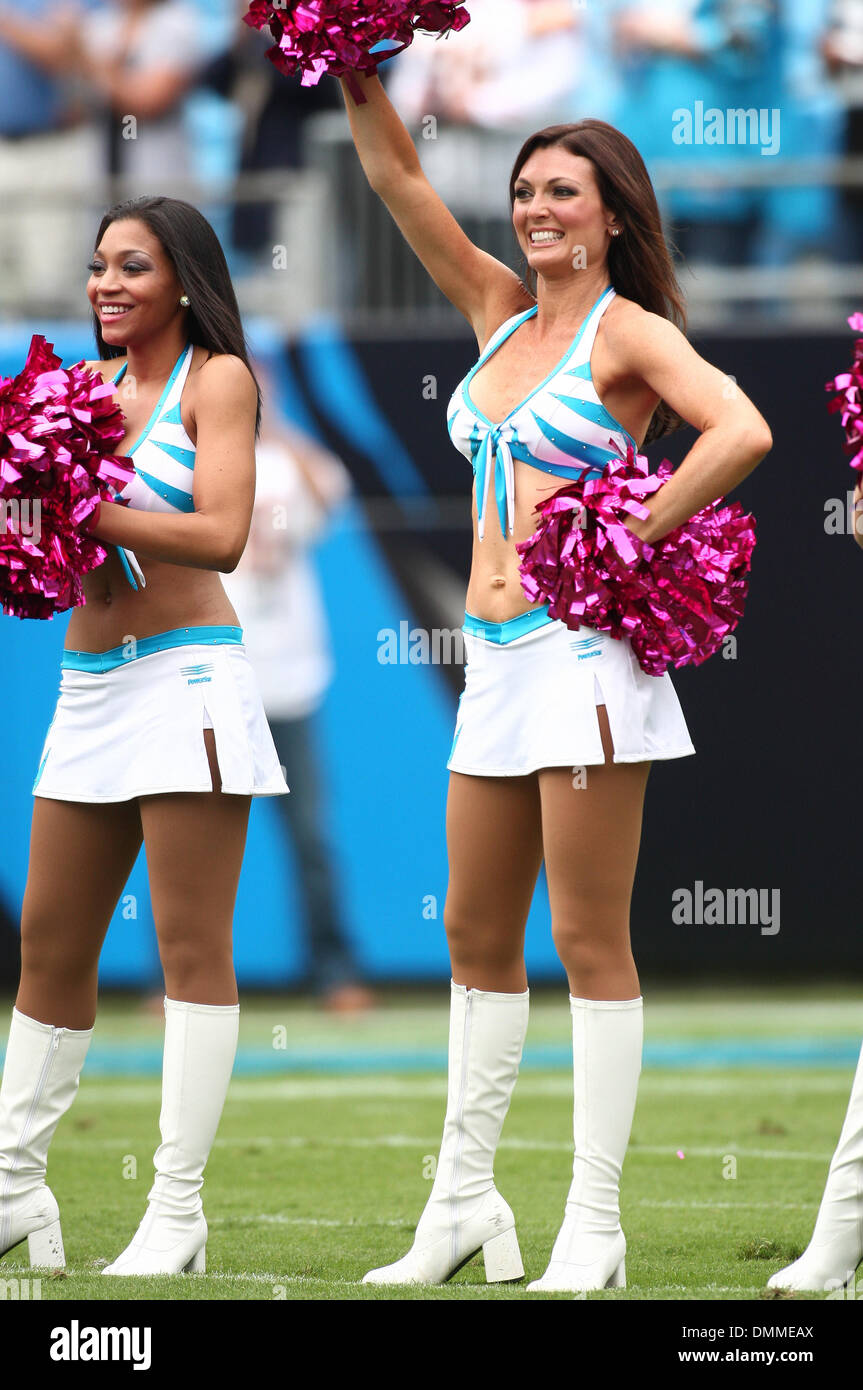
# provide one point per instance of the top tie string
(495, 457)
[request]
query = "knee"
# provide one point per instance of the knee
(474, 940)
(588, 953)
(456, 926)
(49, 955)
(185, 961)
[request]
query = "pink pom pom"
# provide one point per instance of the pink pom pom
(314, 37)
(58, 428)
(848, 389)
(675, 600)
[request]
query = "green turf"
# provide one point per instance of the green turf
(316, 1178)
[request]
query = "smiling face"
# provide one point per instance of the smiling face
(133, 285)
(558, 213)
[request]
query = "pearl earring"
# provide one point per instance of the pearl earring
(615, 231)
(185, 301)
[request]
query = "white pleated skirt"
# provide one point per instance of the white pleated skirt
(130, 722)
(531, 691)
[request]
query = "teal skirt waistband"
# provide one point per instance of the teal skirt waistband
(133, 650)
(502, 633)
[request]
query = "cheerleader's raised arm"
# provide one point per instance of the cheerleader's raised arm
(481, 287)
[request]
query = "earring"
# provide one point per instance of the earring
(185, 301)
(615, 231)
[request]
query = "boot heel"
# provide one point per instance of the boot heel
(502, 1258)
(46, 1248)
(198, 1262)
(618, 1278)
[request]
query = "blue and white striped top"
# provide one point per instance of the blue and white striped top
(164, 455)
(164, 459)
(562, 427)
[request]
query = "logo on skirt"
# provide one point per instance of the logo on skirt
(196, 673)
(586, 647)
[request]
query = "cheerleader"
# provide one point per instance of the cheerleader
(159, 736)
(565, 380)
(835, 1249)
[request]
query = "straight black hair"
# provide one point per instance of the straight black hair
(213, 317)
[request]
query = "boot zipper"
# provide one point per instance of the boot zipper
(56, 1034)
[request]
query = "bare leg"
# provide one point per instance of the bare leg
(591, 836)
(195, 843)
(80, 858)
(495, 849)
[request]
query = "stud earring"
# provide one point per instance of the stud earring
(615, 231)
(185, 301)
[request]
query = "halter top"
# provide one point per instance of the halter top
(163, 455)
(562, 427)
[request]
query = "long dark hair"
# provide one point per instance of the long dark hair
(639, 263)
(213, 318)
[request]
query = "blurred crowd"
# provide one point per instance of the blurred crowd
(101, 96)
(797, 64)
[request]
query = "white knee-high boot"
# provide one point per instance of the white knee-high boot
(606, 1049)
(200, 1046)
(40, 1081)
(831, 1258)
(465, 1212)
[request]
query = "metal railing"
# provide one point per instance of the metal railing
(334, 248)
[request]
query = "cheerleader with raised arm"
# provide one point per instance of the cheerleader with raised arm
(566, 383)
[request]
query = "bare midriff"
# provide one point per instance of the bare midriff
(494, 590)
(175, 596)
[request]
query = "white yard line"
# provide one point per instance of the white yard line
(249, 1090)
(283, 1281)
(429, 1145)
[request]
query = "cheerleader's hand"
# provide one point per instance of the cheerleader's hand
(642, 527)
(92, 522)
(858, 513)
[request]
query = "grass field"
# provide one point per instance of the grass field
(321, 1166)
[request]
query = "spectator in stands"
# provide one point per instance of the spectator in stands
(140, 58)
(273, 111)
(800, 221)
(277, 597)
(46, 157)
(716, 52)
(842, 52)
